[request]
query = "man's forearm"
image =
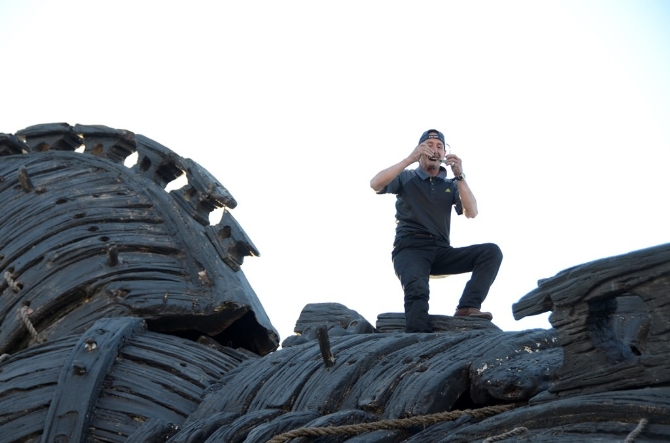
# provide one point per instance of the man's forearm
(385, 177)
(467, 199)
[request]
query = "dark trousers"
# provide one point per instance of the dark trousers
(416, 258)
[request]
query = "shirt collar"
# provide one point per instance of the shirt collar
(423, 175)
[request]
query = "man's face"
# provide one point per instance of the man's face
(432, 163)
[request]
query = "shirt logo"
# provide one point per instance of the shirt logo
(448, 190)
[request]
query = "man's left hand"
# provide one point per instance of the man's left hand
(455, 163)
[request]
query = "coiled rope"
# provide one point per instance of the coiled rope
(400, 423)
(637, 431)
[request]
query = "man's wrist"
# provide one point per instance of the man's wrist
(460, 177)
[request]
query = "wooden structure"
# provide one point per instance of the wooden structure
(84, 237)
(612, 316)
(125, 317)
(115, 382)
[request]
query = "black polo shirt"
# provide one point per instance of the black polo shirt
(423, 203)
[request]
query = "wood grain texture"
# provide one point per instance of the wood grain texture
(89, 238)
(106, 383)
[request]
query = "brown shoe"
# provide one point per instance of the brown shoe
(473, 312)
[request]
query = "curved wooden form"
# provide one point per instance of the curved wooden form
(611, 314)
(84, 237)
(385, 376)
(113, 381)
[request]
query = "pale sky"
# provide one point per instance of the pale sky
(560, 111)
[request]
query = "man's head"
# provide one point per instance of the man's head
(432, 134)
(435, 140)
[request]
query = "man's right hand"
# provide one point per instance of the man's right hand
(422, 149)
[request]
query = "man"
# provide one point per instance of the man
(424, 198)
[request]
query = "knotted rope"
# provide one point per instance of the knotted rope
(637, 431)
(503, 436)
(9, 278)
(400, 423)
(23, 311)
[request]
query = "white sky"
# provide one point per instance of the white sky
(560, 111)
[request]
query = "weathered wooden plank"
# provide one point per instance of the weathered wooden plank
(395, 322)
(201, 430)
(237, 431)
(280, 390)
(81, 379)
(168, 388)
(26, 387)
(26, 427)
(153, 431)
(438, 432)
(611, 408)
(20, 371)
(339, 418)
(283, 423)
(33, 399)
(210, 365)
(374, 388)
(383, 436)
(273, 385)
(441, 377)
(237, 389)
(110, 424)
(119, 410)
(348, 368)
(593, 279)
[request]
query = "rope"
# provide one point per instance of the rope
(503, 436)
(26, 321)
(401, 423)
(637, 431)
(11, 282)
(4, 357)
